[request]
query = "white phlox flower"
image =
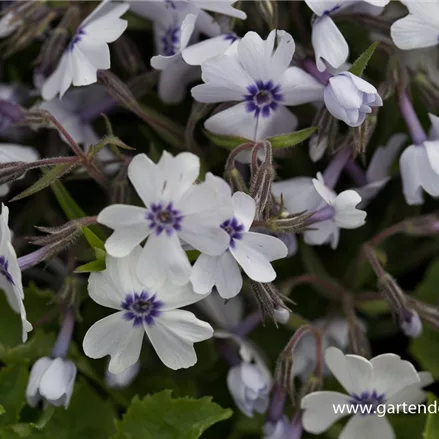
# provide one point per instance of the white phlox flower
(10, 274)
(420, 28)
(51, 380)
(419, 166)
(333, 212)
(329, 44)
(206, 24)
(140, 309)
(172, 33)
(378, 171)
(15, 153)
(175, 209)
(88, 50)
(259, 77)
(122, 379)
(383, 381)
(249, 382)
(249, 250)
(350, 98)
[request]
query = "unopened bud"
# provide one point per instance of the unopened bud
(411, 324)
(281, 315)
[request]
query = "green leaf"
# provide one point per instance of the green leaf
(425, 347)
(68, 204)
(92, 239)
(13, 383)
(229, 142)
(160, 416)
(91, 267)
(291, 139)
(46, 180)
(361, 62)
(88, 416)
(432, 424)
(8, 432)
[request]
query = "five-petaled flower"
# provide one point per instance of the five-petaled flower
(171, 331)
(88, 50)
(252, 251)
(384, 380)
(258, 76)
(176, 210)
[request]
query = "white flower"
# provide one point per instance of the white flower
(418, 29)
(329, 44)
(250, 386)
(15, 153)
(224, 314)
(172, 33)
(384, 380)
(419, 165)
(175, 209)
(196, 54)
(349, 98)
(252, 251)
(51, 380)
(206, 24)
(378, 171)
(88, 50)
(332, 211)
(10, 274)
(257, 76)
(171, 331)
(122, 379)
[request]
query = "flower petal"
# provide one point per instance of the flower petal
(33, 396)
(177, 296)
(244, 208)
(117, 337)
(353, 372)
(299, 87)
(204, 273)
(228, 278)
(365, 427)
(434, 132)
(414, 32)
(269, 246)
(319, 413)
(173, 335)
(59, 81)
(329, 44)
(198, 53)
(432, 148)
(346, 215)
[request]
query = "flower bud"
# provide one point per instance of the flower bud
(349, 98)
(281, 315)
(52, 381)
(249, 386)
(411, 324)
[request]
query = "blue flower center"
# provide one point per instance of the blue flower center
(164, 218)
(263, 98)
(76, 39)
(4, 270)
(170, 41)
(369, 400)
(141, 308)
(232, 37)
(234, 228)
(332, 10)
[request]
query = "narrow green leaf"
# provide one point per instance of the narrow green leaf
(432, 424)
(46, 180)
(91, 267)
(291, 139)
(361, 62)
(68, 204)
(229, 142)
(160, 416)
(92, 239)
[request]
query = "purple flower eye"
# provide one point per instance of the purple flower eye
(141, 308)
